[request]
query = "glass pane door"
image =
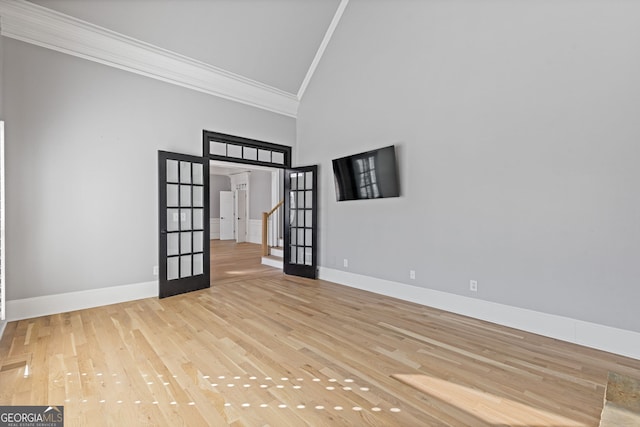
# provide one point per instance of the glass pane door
(184, 225)
(301, 217)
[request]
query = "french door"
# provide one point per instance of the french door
(301, 219)
(183, 223)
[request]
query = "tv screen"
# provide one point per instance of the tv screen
(369, 175)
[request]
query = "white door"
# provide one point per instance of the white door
(226, 215)
(241, 215)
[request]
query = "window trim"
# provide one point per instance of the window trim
(237, 141)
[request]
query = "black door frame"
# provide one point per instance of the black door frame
(169, 287)
(299, 234)
(235, 149)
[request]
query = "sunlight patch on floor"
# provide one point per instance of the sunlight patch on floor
(488, 407)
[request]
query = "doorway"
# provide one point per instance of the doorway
(300, 190)
(234, 215)
(239, 195)
(184, 209)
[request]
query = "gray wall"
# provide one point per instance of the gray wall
(260, 187)
(82, 142)
(217, 183)
(518, 136)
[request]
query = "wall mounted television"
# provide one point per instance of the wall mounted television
(369, 175)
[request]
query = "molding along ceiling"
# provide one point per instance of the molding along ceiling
(31, 23)
(325, 42)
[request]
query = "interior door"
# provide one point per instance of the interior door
(226, 215)
(300, 221)
(241, 215)
(183, 223)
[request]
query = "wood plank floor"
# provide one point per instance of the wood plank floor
(231, 261)
(260, 348)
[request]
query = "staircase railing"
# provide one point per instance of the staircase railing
(269, 234)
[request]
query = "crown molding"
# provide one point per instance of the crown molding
(44, 27)
(325, 42)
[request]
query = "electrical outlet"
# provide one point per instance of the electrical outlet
(473, 285)
(345, 262)
(156, 270)
(412, 274)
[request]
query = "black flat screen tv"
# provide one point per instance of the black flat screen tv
(369, 175)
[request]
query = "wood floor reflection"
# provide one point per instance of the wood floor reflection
(237, 261)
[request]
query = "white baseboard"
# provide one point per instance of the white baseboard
(61, 303)
(601, 337)
(3, 324)
(278, 252)
(272, 262)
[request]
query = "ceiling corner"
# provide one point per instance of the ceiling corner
(323, 45)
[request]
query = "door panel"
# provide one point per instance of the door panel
(241, 216)
(183, 204)
(301, 218)
(226, 215)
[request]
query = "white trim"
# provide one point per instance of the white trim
(601, 337)
(45, 305)
(255, 231)
(325, 42)
(3, 325)
(277, 252)
(272, 262)
(275, 226)
(214, 228)
(31, 23)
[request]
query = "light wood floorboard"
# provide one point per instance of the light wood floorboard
(260, 348)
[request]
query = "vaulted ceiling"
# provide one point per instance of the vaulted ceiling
(269, 41)
(261, 52)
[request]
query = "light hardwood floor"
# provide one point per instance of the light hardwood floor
(261, 348)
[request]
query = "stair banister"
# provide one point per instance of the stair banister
(265, 227)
